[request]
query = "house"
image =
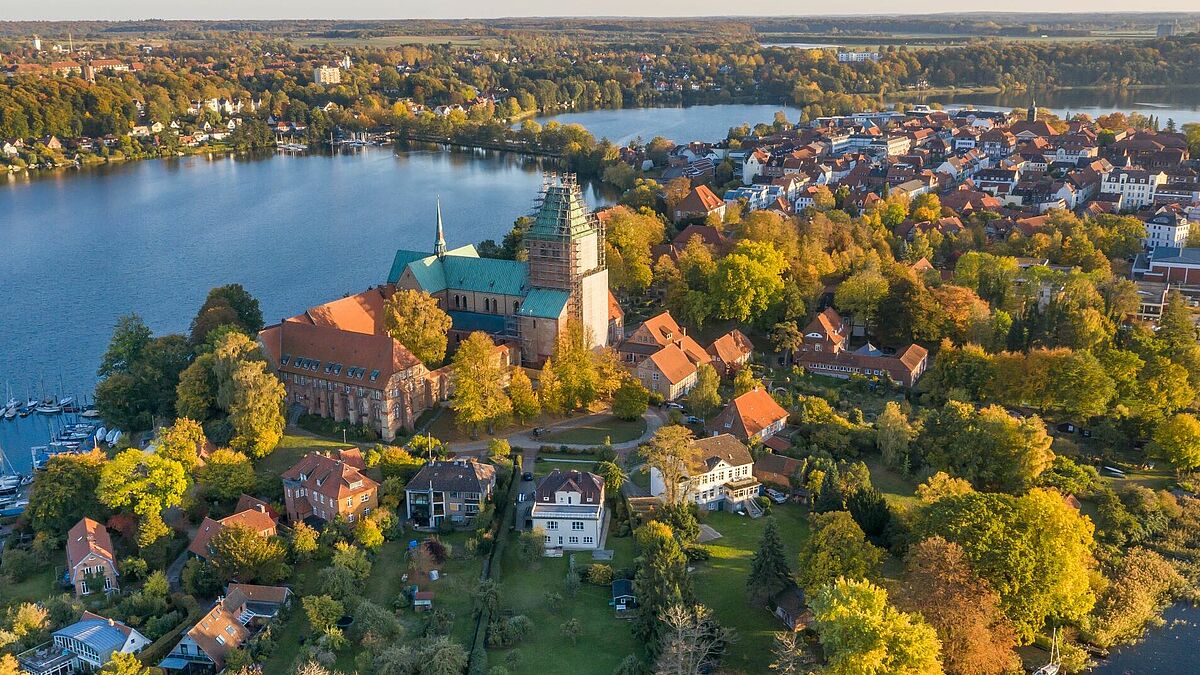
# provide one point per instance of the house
(231, 622)
(669, 372)
(320, 488)
(655, 333)
(569, 507)
(84, 646)
(90, 557)
(825, 351)
(623, 598)
(777, 470)
(718, 473)
(1136, 186)
(791, 608)
(699, 203)
(1169, 226)
(730, 352)
(255, 519)
(455, 489)
(1168, 264)
(753, 417)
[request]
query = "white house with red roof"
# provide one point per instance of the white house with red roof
(91, 561)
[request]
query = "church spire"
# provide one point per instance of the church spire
(1031, 114)
(439, 246)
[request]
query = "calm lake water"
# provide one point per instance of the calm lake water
(1171, 649)
(695, 123)
(1181, 104)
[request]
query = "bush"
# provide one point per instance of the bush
(696, 553)
(600, 574)
(18, 564)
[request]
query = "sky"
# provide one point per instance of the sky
(21, 10)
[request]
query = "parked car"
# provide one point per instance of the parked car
(538, 431)
(692, 419)
(674, 406)
(776, 496)
(1067, 428)
(528, 475)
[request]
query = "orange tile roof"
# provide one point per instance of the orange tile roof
(220, 622)
(673, 364)
(88, 536)
(327, 346)
(750, 413)
(252, 518)
(731, 347)
(359, 313)
(334, 476)
(828, 322)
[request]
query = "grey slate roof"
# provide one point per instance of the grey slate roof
(453, 476)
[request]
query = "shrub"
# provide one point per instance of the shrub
(600, 574)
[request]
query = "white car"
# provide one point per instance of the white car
(776, 496)
(674, 406)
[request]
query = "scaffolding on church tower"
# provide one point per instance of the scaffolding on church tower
(561, 222)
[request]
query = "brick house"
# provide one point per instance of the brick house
(669, 372)
(320, 488)
(663, 356)
(90, 557)
(825, 351)
(455, 489)
(257, 519)
(730, 352)
(699, 203)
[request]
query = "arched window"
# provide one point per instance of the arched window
(516, 306)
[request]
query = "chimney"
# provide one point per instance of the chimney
(111, 622)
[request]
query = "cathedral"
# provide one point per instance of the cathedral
(527, 302)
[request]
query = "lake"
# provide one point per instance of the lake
(1169, 649)
(79, 248)
(1181, 104)
(694, 123)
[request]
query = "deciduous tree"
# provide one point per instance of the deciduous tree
(244, 555)
(705, 398)
(631, 400)
(256, 412)
(182, 441)
(414, 319)
(668, 452)
(961, 607)
(1177, 440)
(863, 634)
(64, 492)
(525, 404)
(146, 484)
(479, 397)
(836, 548)
(226, 475)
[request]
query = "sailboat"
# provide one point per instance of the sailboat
(1053, 667)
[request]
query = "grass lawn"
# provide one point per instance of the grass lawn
(720, 582)
(898, 490)
(612, 429)
(289, 451)
(544, 467)
(40, 585)
(605, 641)
(454, 590)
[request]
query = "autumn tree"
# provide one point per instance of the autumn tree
(836, 548)
(122, 663)
(414, 319)
(242, 554)
(183, 442)
(256, 411)
(668, 452)
(1035, 551)
(769, 569)
(479, 397)
(229, 305)
(863, 634)
(614, 477)
(574, 368)
(747, 282)
(893, 434)
(989, 447)
(226, 475)
(1177, 440)
(65, 491)
(146, 484)
(525, 404)
(629, 236)
(963, 609)
(704, 399)
(692, 641)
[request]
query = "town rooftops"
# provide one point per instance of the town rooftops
(256, 520)
(87, 537)
(219, 631)
(460, 475)
(731, 346)
(707, 453)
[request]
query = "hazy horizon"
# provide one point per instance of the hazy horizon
(126, 10)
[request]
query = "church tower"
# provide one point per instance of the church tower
(565, 244)
(439, 244)
(1031, 114)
